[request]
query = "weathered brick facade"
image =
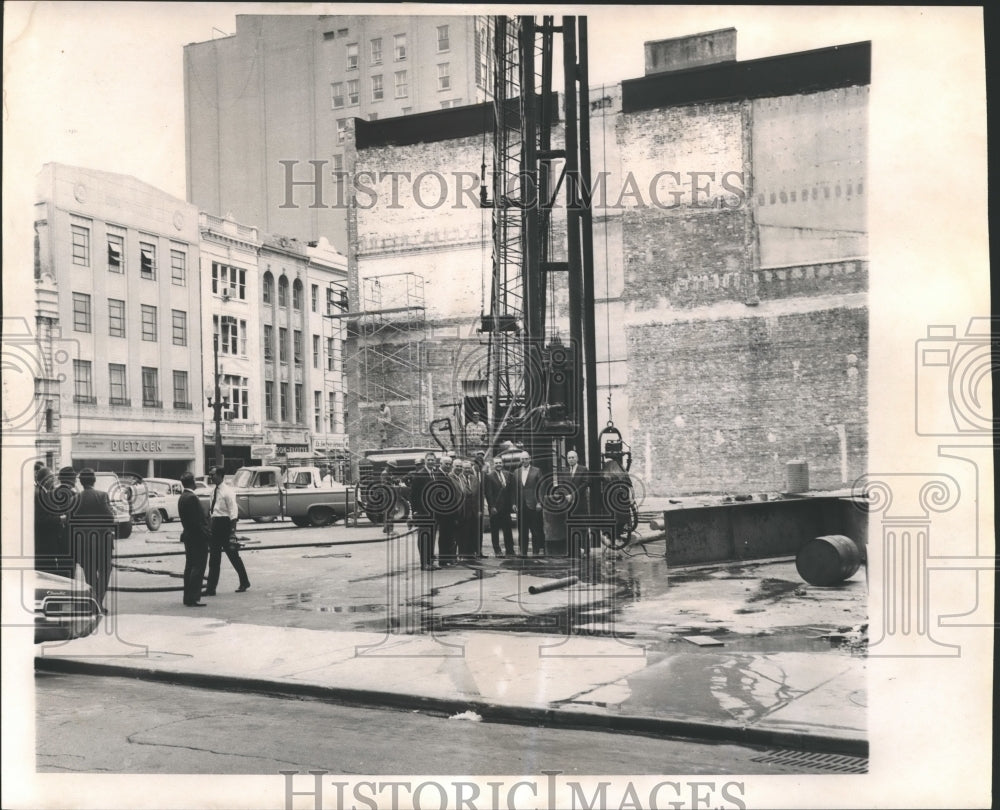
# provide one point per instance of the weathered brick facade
(731, 265)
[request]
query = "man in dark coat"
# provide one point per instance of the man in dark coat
(195, 537)
(528, 502)
(447, 509)
(92, 533)
(423, 517)
(576, 478)
(52, 504)
(498, 497)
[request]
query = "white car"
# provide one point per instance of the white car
(64, 608)
(162, 495)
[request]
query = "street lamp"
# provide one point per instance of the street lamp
(217, 402)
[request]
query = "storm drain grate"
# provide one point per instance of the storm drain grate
(834, 763)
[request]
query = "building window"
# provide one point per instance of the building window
(318, 410)
(297, 347)
(182, 400)
(268, 288)
(116, 317)
(352, 56)
(151, 388)
(315, 351)
(329, 354)
(297, 296)
(237, 389)
(402, 88)
(116, 253)
(331, 407)
(282, 292)
(373, 116)
(341, 129)
(180, 327)
(399, 47)
(148, 322)
(342, 32)
(454, 102)
(118, 382)
(443, 44)
(376, 51)
(377, 91)
(178, 267)
(444, 77)
(230, 282)
(352, 92)
(81, 245)
(81, 312)
(269, 401)
(83, 390)
(314, 297)
(337, 95)
(298, 404)
(282, 346)
(147, 260)
(268, 342)
(232, 335)
(283, 401)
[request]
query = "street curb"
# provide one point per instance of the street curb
(645, 725)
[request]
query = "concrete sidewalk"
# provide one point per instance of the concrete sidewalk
(790, 699)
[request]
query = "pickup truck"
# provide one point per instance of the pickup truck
(261, 494)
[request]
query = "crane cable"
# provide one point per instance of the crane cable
(607, 269)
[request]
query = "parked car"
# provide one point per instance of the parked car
(64, 608)
(261, 494)
(162, 495)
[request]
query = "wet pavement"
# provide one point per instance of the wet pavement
(335, 610)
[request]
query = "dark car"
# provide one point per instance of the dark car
(64, 608)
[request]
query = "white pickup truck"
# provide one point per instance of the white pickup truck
(264, 493)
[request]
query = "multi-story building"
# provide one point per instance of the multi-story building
(119, 314)
(268, 106)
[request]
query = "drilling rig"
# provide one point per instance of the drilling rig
(542, 391)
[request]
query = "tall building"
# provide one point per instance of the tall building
(119, 323)
(262, 104)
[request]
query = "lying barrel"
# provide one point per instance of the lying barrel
(828, 560)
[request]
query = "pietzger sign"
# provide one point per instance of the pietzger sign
(180, 447)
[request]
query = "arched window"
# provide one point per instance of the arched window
(297, 296)
(268, 288)
(282, 292)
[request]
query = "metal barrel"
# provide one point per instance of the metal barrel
(828, 560)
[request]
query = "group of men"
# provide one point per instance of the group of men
(204, 542)
(74, 527)
(447, 499)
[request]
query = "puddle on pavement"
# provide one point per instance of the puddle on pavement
(313, 603)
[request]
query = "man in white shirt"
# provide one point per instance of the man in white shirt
(223, 515)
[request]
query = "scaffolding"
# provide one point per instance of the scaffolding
(389, 332)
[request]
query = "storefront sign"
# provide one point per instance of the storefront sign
(156, 447)
(285, 449)
(262, 450)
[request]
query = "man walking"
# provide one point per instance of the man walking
(527, 498)
(224, 515)
(423, 519)
(92, 529)
(498, 498)
(195, 538)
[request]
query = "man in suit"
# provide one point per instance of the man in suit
(223, 513)
(472, 516)
(52, 553)
(498, 498)
(92, 531)
(423, 516)
(195, 538)
(448, 506)
(527, 500)
(577, 481)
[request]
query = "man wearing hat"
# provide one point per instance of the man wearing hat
(92, 533)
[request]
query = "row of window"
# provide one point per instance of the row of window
(83, 319)
(348, 94)
(335, 297)
(117, 259)
(296, 347)
(83, 386)
(283, 414)
(399, 44)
